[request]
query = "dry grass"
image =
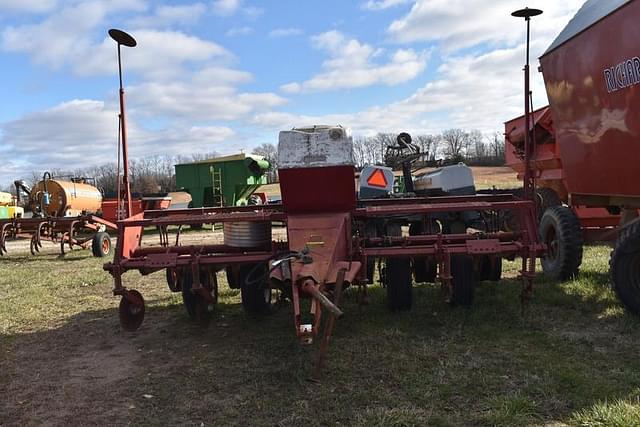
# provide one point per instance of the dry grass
(64, 360)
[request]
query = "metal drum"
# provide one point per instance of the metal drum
(247, 234)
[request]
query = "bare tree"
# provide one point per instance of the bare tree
(456, 141)
(428, 145)
(497, 145)
(269, 152)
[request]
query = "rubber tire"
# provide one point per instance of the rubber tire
(398, 283)
(463, 280)
(196, 226)
(173, 280)
(566, 248)
(425, 269)
(256, 297)
(625, 268)
(97, 244)
(491, 268)
(397, 277)
(189, 299)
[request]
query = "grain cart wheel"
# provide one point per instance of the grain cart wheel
(625, 267)
(397, 278)
(131, 311)
(174, 279)
(196, 305)
(491, 268)
(463, 280)
(560, 231)
(425, 269)
(101, 244)
(256, 295)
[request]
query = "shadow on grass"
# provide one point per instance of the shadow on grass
(433, 365)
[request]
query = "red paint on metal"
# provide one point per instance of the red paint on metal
(598, 131)
(318, 189)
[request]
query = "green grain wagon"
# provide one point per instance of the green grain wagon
(222, 181)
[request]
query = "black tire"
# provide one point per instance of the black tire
(173, 280)
(196, 305)
(101, 244)
(547, 198)
(425, 269)
(463, 280)
(625, 268)
(196, 226)
(397, 277)
(398, 283)
(560, 230)
(490, 268)
(256, 295)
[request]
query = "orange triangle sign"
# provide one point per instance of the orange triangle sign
(377, 179)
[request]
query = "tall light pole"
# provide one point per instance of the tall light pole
(529, 177)
(123, 39)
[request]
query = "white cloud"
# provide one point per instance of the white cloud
(165, 16)
(226, 7)
(29, 6)
(195, 101)
(159, 55)
(383, 4)
(285, 32)
(252, 13)
(464, 23)
(63, 34)
(84, 133)
(351, 64)
(470, 92)
(239, 31)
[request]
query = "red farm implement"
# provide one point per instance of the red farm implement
(586, 144)
(332, 241)
(77, 231)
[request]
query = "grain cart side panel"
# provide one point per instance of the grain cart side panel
(592, 78)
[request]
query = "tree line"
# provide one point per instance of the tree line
(156, 174)
(450, 146)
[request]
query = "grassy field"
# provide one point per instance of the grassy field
(571, 359)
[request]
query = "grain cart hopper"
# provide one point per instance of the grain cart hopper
(63, 211)
(328, 241)
(222, 181)
(588, 142)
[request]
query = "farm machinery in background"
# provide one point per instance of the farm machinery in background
(223, 181)
(587, 144)
(63, 211)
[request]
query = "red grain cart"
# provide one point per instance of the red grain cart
(588, 143)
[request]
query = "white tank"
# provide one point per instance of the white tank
(454, 180)
(315, 146)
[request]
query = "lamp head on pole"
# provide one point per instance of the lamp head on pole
(526, 13)
(122, 38)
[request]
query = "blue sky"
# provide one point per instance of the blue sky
(225, 75)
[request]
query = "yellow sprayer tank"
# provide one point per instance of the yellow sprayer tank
(65, 198)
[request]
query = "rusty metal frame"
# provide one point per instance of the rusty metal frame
(53, 229)
(325, 294)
